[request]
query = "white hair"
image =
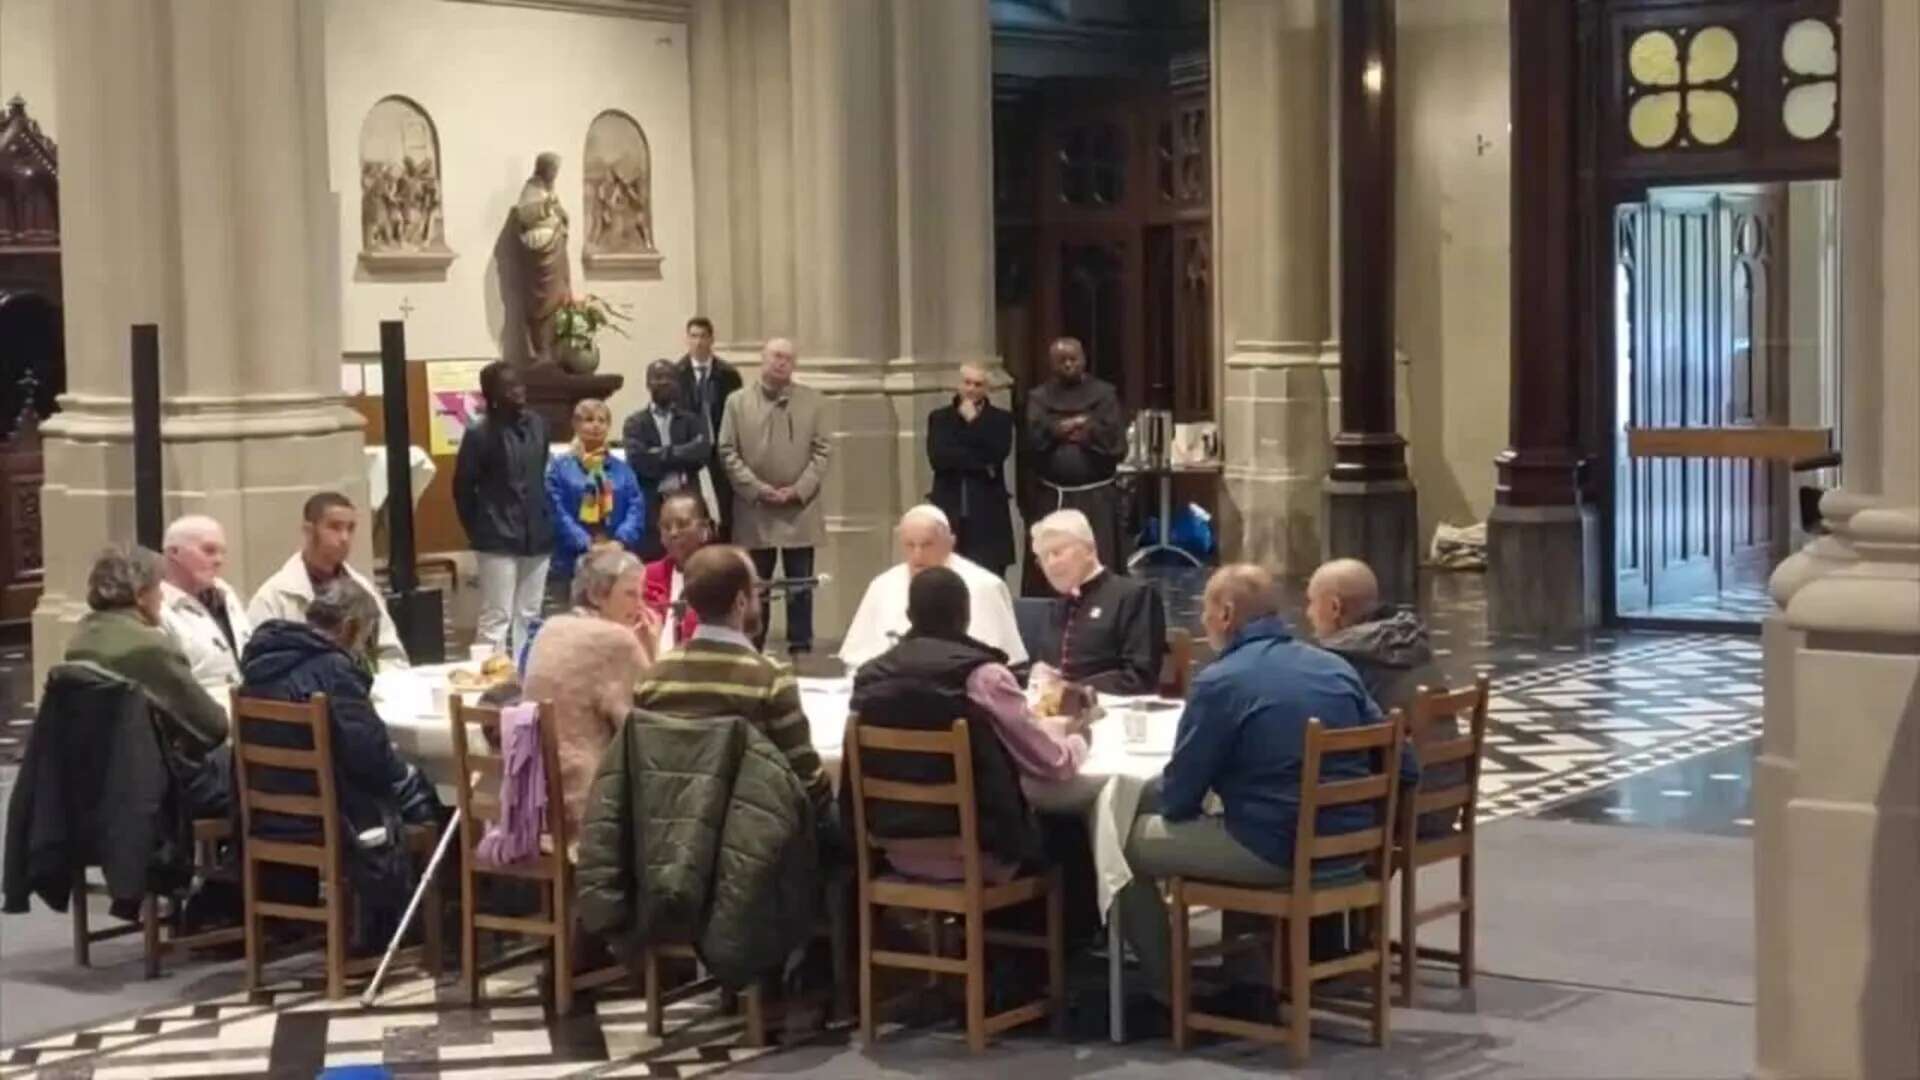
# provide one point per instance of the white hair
(185, 530)
(1062, 525)
(927, 514)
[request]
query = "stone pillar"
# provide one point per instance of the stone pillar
(1837, 789)
(1543, 537)
(1270, 107)
(880, 196)
(194, 196)
(1371, 511)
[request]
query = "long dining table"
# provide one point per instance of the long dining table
(1129, 745)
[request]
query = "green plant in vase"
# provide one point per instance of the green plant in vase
(576, 326)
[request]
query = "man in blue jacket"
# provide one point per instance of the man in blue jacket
(1243, 737)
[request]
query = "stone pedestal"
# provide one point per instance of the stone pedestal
(1543, 569)
(1377, 522)
(552, 392)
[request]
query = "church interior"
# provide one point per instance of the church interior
(1588, 325)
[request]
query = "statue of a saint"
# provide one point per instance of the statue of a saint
(543, 240)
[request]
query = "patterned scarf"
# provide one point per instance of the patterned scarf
(596, 502)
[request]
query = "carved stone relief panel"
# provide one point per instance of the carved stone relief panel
(402, 227)
(617, 190)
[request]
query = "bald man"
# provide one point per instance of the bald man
(1388, 648)
(967, 445)
(203, 613)
(926, 540)
(1243, 736)
(773, 442)
(668, 446)
(1078, 437)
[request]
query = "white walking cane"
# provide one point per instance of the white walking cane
(447, 834)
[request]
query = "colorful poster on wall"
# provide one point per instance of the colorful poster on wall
(453, 399)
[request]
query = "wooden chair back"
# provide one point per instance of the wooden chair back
(1438, 743)
(253, 760)
(1378, 745)
(953, 743)
(1177, 672)
(480, 766)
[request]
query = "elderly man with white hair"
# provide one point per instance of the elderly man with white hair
(198, 608)
(926, 539)
(1111, 630)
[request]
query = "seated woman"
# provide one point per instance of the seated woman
(378, 790)
(123, 634)
(684, 529)
(586, 663)
(937, 673)
(595, 497)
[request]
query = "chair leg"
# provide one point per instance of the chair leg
(77, 903)
(561, 957)
(1056, 954)
(837, 940)
(866, 968)
(469, 940)
(336, 937)
(656, 1012)
(756, 1007)
(150, 932)
(976, 977)
(1467, 917)
(1177, 923)
(252, 931)
(433, 915)
(1380, 919)
(1299, 989)
(1409, 933)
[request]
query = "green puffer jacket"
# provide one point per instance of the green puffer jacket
(698, 832)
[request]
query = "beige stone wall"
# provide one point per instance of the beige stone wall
(1452, 223)
(27, 59)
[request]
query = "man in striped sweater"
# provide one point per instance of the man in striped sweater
(718, 672)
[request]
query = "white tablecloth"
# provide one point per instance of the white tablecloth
(420, 472)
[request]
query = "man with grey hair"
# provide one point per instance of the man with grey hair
(122, 633)
(773, 442)
(967, 444)
(1109, 632)
(204, 614)
(926, 539)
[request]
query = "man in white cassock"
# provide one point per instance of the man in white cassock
(926, 539)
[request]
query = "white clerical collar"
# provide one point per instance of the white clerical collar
(1089, 579)
(725, 635)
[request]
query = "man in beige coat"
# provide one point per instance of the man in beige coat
(773, 444)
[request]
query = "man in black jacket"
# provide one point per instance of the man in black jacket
(1111, 630)
(500, 491)
(668, 446)
(706, 381)
(967, 444)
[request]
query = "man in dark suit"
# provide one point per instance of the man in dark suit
(668, 446)
(706, 381)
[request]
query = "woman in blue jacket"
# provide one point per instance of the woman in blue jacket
(596, 498)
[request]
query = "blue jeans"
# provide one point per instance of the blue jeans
(796, 562)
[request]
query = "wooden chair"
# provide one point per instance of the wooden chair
(550, 872)
(971, 900)
(1176, 674)
(162, 918)
(1291, 907)
(1438, 743)
(326, 858)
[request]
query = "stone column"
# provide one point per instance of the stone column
(1837, 789)
(1371, 512)
(194, 177)
(1270, 106)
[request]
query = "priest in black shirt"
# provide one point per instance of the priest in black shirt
(1112, 630)
(1078, 439)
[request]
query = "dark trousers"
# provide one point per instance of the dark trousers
(795, 562)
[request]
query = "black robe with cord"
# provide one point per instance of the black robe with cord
(969, 459)
(1060, 464)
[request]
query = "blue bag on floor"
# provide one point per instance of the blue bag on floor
(1192, 532)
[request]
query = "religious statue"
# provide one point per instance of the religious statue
(542, 224)
(617, 178)
(401, 226)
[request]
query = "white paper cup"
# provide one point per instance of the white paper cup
(1134, 723)
(480, 654)
(440, 700)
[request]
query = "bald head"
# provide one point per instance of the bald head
(1237, 594)
(1341, 593)
(926, 538)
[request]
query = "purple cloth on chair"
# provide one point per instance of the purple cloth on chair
(523, 790)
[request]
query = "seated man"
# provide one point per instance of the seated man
(926, 539)
(1242, 736)
(1113, 629)
(202, 612)
(684, 529)
(378, 790)
(717, 672)
(123, 634)
(328, 522)
(935, 675)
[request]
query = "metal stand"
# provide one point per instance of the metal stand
(1165, 539)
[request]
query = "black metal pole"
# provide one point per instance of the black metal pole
(402, 573)
(148, 521)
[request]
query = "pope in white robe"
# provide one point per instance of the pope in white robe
(926, 539)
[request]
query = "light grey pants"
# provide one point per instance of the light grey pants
(511, 588)
(1158, 848)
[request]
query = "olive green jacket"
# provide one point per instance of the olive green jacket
(143, 654)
